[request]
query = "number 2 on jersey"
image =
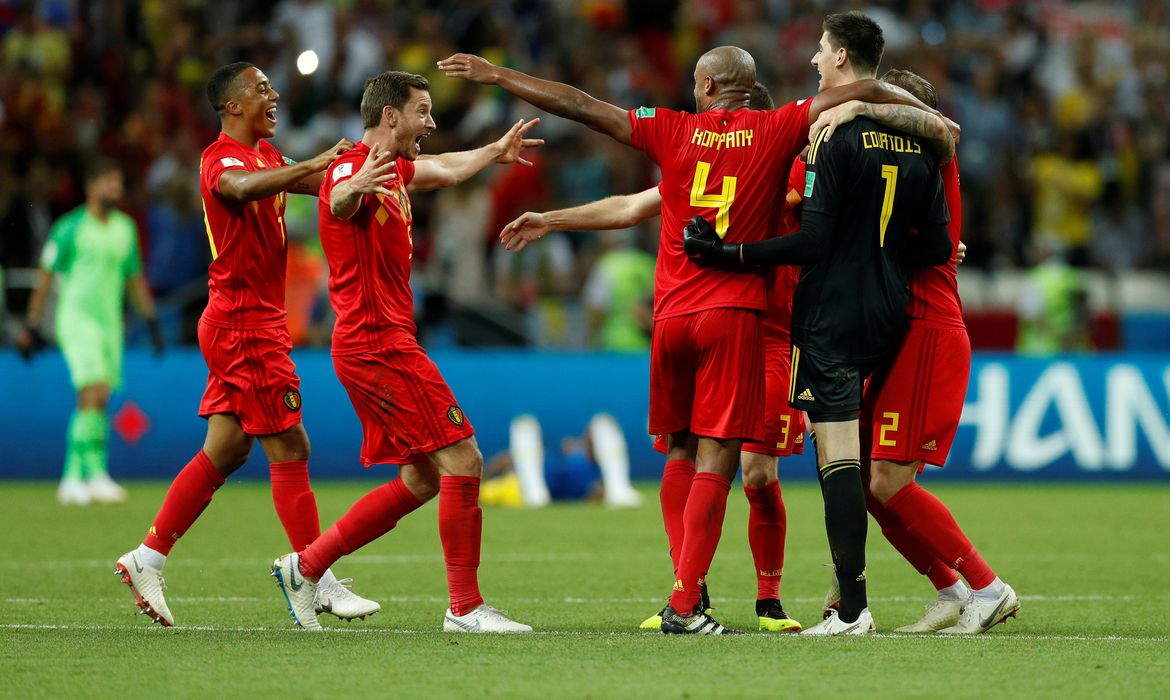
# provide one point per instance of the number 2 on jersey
(890, 175)
(723, 200)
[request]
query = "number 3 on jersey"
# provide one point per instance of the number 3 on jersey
(723, 200)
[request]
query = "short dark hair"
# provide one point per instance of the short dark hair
(98, 166)
(760, 98)
(390, 88)
(860, 36)
(221, 82)
(914, 84)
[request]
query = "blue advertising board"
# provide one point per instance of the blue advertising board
(1077, 417)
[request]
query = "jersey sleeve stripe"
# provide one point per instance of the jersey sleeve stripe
(812, 152)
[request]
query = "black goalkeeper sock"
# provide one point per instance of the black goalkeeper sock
(846, 524)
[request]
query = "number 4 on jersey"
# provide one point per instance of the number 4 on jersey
(723, 200)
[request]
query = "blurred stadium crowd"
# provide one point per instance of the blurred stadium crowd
(1065, 152)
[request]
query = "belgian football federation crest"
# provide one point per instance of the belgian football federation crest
(292, 400)
(455, 415)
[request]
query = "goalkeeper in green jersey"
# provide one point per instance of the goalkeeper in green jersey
(94, 251)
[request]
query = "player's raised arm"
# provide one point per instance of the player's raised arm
(447, 169)
(371, 178)
(621, 211)
(239, 185)
(556, 98)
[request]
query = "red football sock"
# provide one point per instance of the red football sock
(296, 506)
(940, 574)
(703, 521)
(676, 486)
(767, 527)
(931, 523)
(375, 514)
(460, 529)
(186, 499)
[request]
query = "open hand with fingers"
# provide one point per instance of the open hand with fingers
(375, 172)
(325, 158)
(834, 117)
(513, 142)
(529, 226)
(470, 67)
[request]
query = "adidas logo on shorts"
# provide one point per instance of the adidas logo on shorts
(932, 445)
(805, 395)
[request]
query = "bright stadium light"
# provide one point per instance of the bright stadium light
(307, 62)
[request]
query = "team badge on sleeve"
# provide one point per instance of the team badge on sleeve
(292, 400)
(809, 179)
(343, 170)
(644, 112)
(455, 415)
(231, 162)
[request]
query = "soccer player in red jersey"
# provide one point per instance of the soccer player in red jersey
(253, 391)
(730, 165)
(910, 412)
(409, 415)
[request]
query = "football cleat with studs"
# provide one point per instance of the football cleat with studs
(773, 618)
(147, 585)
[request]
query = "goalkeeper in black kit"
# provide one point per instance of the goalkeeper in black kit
(873, 209)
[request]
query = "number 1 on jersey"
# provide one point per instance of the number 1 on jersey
(723, 200)
(890, 175)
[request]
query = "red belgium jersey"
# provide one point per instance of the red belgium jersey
(778, 319)
(934, 291)
(369, 260)
(730, 167)
(248, 242)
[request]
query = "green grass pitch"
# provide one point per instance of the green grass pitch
(1089, 561)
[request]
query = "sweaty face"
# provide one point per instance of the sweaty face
(415, 123)
(825, 60)
(256, 100)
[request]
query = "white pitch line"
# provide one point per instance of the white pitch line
(985, 638)
(578, 600)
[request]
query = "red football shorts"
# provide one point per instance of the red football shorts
(406, 409)
(705, 375)
(783, 425)
(251, 376)
(911, 407)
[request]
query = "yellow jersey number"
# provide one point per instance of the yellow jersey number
(723, 200)
(890, 175)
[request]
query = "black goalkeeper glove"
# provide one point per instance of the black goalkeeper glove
(156, 336)
(704, 246)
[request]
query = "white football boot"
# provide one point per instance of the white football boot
(299, 592)
(73, 492)
(940, 613)
(104, 490)
(484, 619)
(336, 599)
(980, 615)
(147, 585)
(832, 626)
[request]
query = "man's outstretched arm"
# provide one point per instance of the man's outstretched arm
(555, 98)
(622, 211)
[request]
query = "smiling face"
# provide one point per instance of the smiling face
(828, 61)
(255, 103)
(411, 124)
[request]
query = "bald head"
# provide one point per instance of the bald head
(724, 77)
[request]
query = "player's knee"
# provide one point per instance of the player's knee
(883, 485)
(758, 472)
(423, 484)
(461, 459)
